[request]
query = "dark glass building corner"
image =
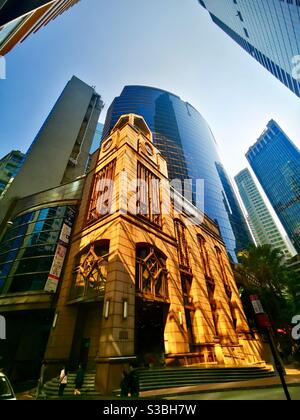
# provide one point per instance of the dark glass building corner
(188, 145)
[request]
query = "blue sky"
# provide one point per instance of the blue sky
(170, 44)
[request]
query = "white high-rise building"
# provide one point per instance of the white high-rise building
(60, 151)
(261, 221)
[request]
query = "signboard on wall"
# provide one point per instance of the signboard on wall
(257, 306)
(65, 234)
(261, 317)
(60, 253)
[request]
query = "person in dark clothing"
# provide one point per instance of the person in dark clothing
(134, 385)
(39, 392)
(125, 384)
(79, 380)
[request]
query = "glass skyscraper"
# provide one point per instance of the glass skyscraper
(263, 226)
(234, 211)
(187, 143)
(275, 161)
(269, 30)
(97, 137)
(9, 167)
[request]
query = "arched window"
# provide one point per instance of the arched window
(204, 256)
(186, 285)
(102, 195)
(223, 272)
(151, 273)
(183, 252)
(227, 286)
(90, 271)
(148, 203)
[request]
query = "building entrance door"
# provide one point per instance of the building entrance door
(86, 335)
(84, 351)
(150, 323)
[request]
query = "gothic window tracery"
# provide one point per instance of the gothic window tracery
(151, 273)
(90, 272)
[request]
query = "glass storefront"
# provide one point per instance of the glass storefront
(28, 248)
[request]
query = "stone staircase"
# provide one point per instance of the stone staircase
(163, 378)
(87, 392)
(160, 378)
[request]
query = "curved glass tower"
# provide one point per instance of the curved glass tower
(187, 143)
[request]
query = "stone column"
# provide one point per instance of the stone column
(116, 346)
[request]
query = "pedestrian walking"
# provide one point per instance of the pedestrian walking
(63, 381)
(125, 384)
(134, 383)
(79, 380)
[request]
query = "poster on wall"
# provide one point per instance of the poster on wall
(60, 253)
(56, 268)
(65, 234)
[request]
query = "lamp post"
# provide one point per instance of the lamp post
(264, 322)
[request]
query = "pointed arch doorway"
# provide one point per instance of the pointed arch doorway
(152, 304)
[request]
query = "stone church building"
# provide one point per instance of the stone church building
(147, 279)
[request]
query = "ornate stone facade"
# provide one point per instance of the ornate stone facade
(143, 282)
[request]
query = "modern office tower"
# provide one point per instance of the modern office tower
(264, 228)
(97, 138)
(60, 151)
(9, 166)
(19, 19)
(275, 161)
(144, 285)
(269, 30)
(187, 143)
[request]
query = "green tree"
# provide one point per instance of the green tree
(277, 285)
(275, 281)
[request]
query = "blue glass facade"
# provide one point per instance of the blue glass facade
(269, 30)
(275, 161)
(28, 248)
(187, 143)
(97, 138)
